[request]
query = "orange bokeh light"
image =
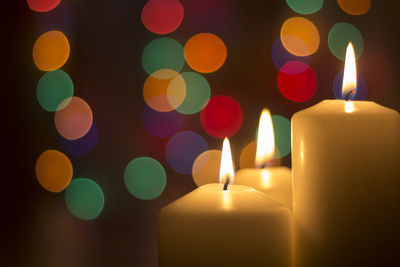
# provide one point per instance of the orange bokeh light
(355, 7)
(75, 120)
(300, 36)
(53, 170)
(51, 51)
(205, 52)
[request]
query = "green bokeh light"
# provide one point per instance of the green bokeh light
(305, 7)
(282, 132)
(53, 88)
(282, 135)
(84, 198)
(197, 93)
(339, 37)
(145, 178)
(163, 53)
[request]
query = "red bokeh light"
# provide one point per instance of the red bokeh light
(297, 81)
(221, 117)
(162, 16)
(42, 5)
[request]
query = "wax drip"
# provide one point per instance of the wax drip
(226, 183)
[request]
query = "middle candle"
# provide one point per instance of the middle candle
(224, 225)
(276, 182)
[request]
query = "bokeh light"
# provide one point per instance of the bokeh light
(248, 155)
(355, 7)
(221, 117)
(53, 88)
(280, 56)
(305, 7)
(339, 37)
(83, 145)
(198, 92)
(300, 36)
(53, 170)
(75, 120)
(84, 198)
(42, 5)
(182, 150)
(162, 16)
(51, 51)
(163, 53)
(297, 81)
(161, 124)
(205, 52)
(283, 135)
(164, 90)
(362, 87)
(206, 167)
(145, 178)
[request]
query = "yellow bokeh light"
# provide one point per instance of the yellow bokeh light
(299, 36)
(164, 90)
(206, 167)
(51, 51)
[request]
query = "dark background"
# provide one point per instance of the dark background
(107, 39)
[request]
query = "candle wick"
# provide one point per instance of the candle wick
(350, 95)
(226, 183)
(264, 165)
(267, 163)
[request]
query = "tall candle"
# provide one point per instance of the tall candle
(346, 181)
(275, 182)
(224, 225)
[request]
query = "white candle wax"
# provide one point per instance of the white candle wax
(346, 184)
(213, 227)
(275, 182)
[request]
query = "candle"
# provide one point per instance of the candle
(276, 182)
(346, 181)
(224, 225)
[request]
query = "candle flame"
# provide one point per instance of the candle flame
(265, 140)
(349, 85)
(226, 172)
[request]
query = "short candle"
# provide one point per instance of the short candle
(224, 225)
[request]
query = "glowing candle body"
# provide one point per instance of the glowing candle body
(275, 182)
(213, 227)
(346, 184)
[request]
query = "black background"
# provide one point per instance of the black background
(107, 39)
